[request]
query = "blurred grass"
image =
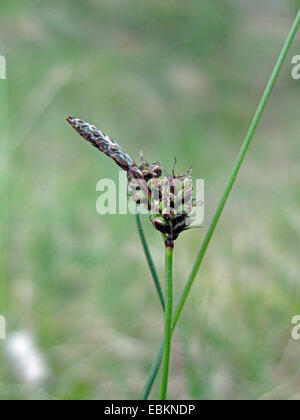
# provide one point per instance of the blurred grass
(171, 78)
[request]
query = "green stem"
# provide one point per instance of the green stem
(239, 161)
(168, 322)
(153, 372)
(232, 178)
(150, 261)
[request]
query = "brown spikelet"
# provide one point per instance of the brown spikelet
(106, 145)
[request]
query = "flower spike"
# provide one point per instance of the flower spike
(106, 145)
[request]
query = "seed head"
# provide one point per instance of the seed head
(169, 198)
(106, 145)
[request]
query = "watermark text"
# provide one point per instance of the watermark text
(166, 196)
(296, 68)
(296, 329)
(2, 67)
(2, 328)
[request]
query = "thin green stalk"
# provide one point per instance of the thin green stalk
(168, 322)
(157, 361)
(153, 372)
(239, 161)
(150, 261)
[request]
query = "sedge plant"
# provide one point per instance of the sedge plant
(169, 198)
(244, 148)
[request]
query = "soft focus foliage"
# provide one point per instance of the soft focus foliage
(175, 79)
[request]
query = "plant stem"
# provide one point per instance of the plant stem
(168, 322)
(150, 260)
(239, 161)
(157, 361)
(153, 372)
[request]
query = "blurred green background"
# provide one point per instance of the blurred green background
(175, 78)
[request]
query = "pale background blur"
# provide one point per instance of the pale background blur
(175, 79)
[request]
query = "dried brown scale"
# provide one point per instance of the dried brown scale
(150, 170)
